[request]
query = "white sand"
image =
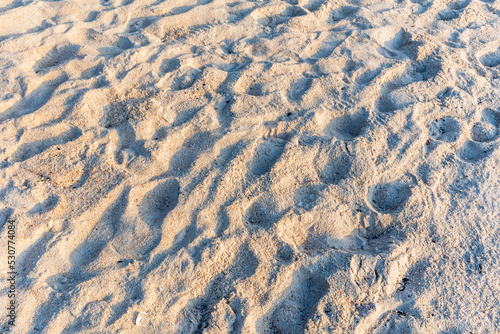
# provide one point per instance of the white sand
(203, 166)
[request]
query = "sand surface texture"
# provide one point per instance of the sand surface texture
(208, 166)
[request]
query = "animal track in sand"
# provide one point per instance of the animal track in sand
(388, 197)
(445, 129)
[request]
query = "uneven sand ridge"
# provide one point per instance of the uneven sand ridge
(178, 166)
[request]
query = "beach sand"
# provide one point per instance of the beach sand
(317, 166)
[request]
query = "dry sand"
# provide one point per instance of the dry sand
(181, 166)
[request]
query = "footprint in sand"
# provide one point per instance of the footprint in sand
(298, 89)
(205, 312)
(333, 164)
(169, 65)
(388, 197)
(336, 169)
(474, 152)
(158, 202)
(182, 160)
(293, 11)
(291, 313)
(453, 10)
(256, 89)
(102, 233)
(45, 206)
(93, 71)
(402, 44)
(266, 155)
(491, 59)
(482, 135)
(445, 129)
(349, 126)
(135, 239)
(124, 43)
(93, 315)
(344, 12)
(64, 133)
(400, 92)
(133, 227)
(115, 114)
(138, 24)
(262, 213)
(487, 129)
(186, 79)
(34, 100)
(307, 197)
(29, 258)
(92, 16)
(56, 56)
(314, 5)
(394, 322)
(483, 132)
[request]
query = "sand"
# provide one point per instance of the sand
(181, 166)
